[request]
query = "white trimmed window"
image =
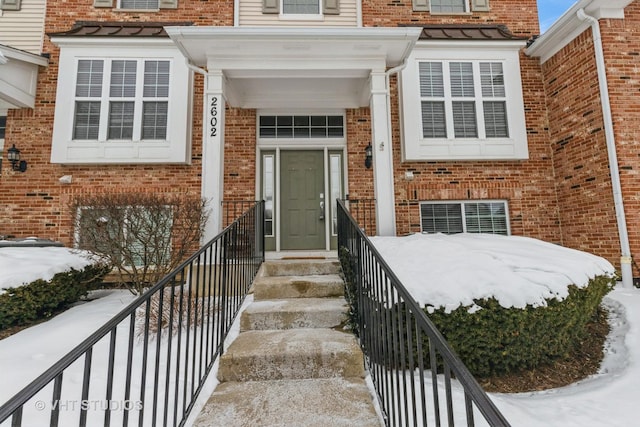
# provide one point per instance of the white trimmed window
(463, 105)
(138, 4)
(135, 94)
(129, 106)
(463, 100)
(449, 6)
(146, 236)
(301, 9)
(465, 217)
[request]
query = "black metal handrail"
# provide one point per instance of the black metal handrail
(411, 364)
(147, 365)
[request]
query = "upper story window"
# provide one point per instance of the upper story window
(463, 105)
(151, 5)
(133, 94)
(300, 9)
(130, 104)
(139, 4)
(463, 100)
(449, 6)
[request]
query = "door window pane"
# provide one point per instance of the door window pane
(268, 183)
(335, 173)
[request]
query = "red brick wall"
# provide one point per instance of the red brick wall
(37, 203)
(578, 137)
(579, 148)
(622, 56)
(520, 16)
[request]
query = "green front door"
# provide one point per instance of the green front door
(302, 221)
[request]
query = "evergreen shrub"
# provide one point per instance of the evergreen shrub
(497, 340)
(41, 299)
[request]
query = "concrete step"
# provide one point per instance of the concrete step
(291, 354)
(294, 313)
(301, 267)
(334, 402)
(311, 286)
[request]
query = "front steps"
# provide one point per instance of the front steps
(292, 364)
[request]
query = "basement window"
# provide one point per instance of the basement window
(465, 217)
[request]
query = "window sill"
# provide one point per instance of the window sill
(137, 10)
(301, 17)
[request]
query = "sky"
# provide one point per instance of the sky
(550, 10)
(529, 267)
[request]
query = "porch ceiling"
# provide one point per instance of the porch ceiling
(295, 67)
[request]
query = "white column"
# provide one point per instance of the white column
(382, 155)
(213, 151)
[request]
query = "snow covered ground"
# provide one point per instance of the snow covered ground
(608, 398)
(23, 265)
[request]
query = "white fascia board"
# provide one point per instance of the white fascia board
(204, 43)
(457, 45)
(569, 26)
(83, 42)
(10, 53)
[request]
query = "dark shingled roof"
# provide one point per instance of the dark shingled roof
(467, 32)
(118, 29)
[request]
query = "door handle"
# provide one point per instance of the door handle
(321, 210)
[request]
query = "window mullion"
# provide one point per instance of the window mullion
(137, 108)
(463, 215)
(104, 101)
(448, 99)
(479, 99)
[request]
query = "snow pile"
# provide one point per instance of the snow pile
(451, 270)
(23, 265)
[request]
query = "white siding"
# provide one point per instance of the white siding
(251, 15)
(23, 29)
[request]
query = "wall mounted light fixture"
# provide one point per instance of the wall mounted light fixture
(368, 159)
(13, 155)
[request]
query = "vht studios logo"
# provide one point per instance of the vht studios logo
(91, 405)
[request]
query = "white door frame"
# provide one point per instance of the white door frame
(314, 144)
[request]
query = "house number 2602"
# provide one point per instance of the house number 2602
(213, 114)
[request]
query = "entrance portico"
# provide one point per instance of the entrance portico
(301, 70)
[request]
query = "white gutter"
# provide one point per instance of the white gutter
(625, 259)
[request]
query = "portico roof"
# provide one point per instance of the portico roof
(296, 67)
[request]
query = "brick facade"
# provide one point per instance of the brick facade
(585, 193)
(38, 202)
